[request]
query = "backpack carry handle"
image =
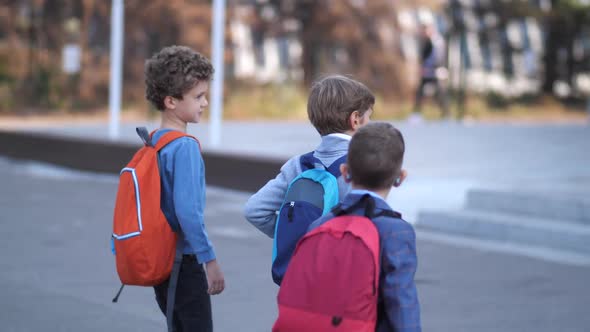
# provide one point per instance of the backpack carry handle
(368, 204)
(309, 161)
(144, 135)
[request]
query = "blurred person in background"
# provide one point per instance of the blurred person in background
(432, 71)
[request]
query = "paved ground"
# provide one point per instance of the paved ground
(57, 273)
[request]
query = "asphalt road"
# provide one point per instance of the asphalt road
(57, 272)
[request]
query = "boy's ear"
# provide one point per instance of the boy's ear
(344, 172)
(354, 120)
(170, 102)
(400, 179)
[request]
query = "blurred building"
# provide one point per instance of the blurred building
(492, 46)
(258, 54)
(506, 48)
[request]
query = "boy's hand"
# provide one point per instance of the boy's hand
(214, 278)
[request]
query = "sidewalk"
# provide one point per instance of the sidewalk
(446, 163)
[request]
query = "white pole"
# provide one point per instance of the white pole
(117, 27)
(217, 46)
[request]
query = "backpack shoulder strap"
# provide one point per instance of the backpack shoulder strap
(334, 169)
(337, 210)
(171, 136)
(173, 282)
(388, 213)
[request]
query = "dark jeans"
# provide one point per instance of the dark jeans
(192, 310)
(440, 95)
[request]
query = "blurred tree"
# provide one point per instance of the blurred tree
(36, 31)
(149, 26)
(355, 37)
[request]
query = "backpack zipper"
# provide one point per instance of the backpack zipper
(290, 213)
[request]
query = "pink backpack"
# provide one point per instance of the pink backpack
(332, 282)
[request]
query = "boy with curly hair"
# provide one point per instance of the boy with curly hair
(177, 79)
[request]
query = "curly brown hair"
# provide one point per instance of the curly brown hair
(173, 72)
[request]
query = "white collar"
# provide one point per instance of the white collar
(341, 135)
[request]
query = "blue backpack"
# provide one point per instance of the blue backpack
(310, 195)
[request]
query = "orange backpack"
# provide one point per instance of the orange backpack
(143, 242)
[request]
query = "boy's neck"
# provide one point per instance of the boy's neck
(172, 122)
(383, 193)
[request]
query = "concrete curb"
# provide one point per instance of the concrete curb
(522, 230)
(545, 206)
(245, 173)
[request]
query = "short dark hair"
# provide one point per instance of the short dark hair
(173, 72)
(333, 99)
(375, 155)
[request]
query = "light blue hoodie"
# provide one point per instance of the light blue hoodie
(261, 209)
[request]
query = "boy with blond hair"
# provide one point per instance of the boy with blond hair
(337, 107)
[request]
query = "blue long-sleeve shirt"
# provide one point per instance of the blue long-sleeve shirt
(182, 172)
(399, 309)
